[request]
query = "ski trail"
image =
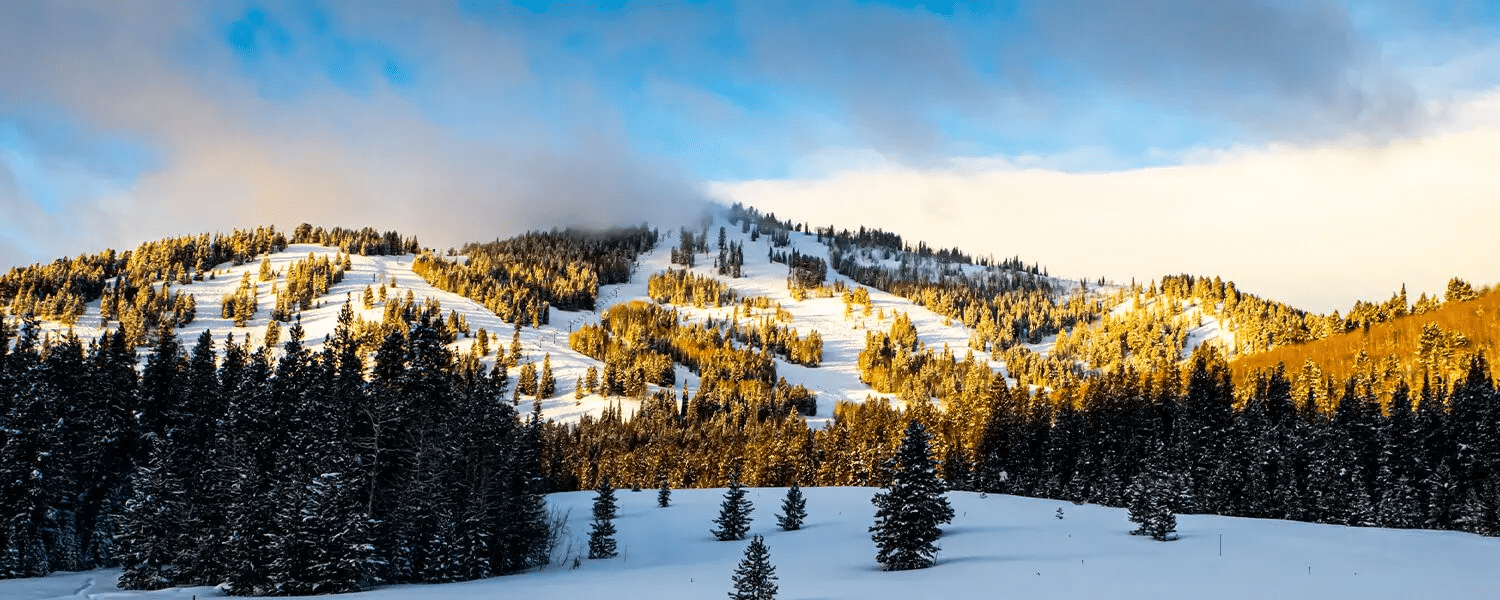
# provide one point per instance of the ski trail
(88, 584)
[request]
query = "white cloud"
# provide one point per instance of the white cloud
(1316, 226)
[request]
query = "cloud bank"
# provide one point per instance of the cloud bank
(248, 141)
(1316, 226)
(128, 120)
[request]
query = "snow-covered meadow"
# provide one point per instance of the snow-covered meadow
(996, 547)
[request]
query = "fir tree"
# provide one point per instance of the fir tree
(547, 387)
(514, 357)
(327, 549)
(527, 384)
(602, 530)
(1151, 501)
(755, 578)
(664, 494)
(912, 507)
(734, 512)
(793, 509)
(151, 536)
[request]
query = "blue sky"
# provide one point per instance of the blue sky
(114, 110)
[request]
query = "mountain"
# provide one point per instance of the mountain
(280, 391)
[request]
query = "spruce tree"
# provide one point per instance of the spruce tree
(151, 537)
(1151, 501)
(913, 505)
(793, 509)
(547, 387)
(527, 384)
(664, 494)
(734, 512)
(755, 578)
(602, 530)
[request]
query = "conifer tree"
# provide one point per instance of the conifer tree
(793, 509)
(151, 537)
(912, 507)
(527, 383)
(734, 512)
(547, 387)
(602, 530)
(273, 334)
(755, 578)
(664, 494)
(514, 358)
(1151, 500)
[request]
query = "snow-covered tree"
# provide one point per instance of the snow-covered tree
(793, 509)
(909, 511)
(734, 512)
(1151, 502)
(602, 530)
(151, 536)
(755, 578)
(328, 550)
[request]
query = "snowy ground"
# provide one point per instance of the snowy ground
(997, 547)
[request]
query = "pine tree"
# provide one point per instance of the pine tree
(793, 509)
(664, 493)
(526, 384)
(1151, 500)
(327, 549)
(151, 535)
(514, 357)
(755, 578)
(734, 512)
(912, 507)
(602, 530)
(547, 387)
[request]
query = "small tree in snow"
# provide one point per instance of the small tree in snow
(664, 494)
(909, 511)
(734, 513)
(755, 578)
(793, 509)
(602, 530)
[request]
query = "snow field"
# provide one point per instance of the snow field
(996, 547)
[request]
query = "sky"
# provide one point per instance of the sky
(1313, 151)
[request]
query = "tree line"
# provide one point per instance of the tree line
(307, 473)
(521, 278)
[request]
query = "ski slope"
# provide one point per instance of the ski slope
(996, 547)
(835, 380)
